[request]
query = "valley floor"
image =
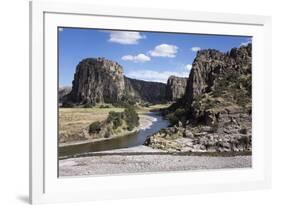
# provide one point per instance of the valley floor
(134, 160)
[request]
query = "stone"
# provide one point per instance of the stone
(99, 80)
(176, 87)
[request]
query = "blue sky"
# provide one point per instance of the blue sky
(150, 56)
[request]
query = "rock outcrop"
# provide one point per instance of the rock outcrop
(176, 87)
(98, 80)
(216, 112)
(232, 134)
(152, 92)
(213, 71)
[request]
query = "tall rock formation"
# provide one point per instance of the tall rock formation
(176, 87)
(213, 71)
(98, 80)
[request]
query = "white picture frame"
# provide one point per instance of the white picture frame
(46, 187)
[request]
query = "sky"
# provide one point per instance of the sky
(149, 56)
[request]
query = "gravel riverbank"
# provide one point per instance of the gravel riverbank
(136, 161)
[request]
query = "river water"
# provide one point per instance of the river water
(119, 142)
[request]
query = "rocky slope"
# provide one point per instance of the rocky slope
(215, 112)
(176, 87)
(152, 92)
(98, 80)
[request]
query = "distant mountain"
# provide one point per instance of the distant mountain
(63, 92)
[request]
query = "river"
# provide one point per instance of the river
(119, 142)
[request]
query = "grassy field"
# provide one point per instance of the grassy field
(74, 121)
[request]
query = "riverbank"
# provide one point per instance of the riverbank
(134, 160)
(145, 122)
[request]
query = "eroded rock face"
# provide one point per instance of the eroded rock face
(97, 80)
(152, 92)
(217, 105)
(210, 65)
(176, 87)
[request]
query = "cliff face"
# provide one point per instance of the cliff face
(152, 92)
(215, 113)
(219, 83)
(176, 87)
(97, 80)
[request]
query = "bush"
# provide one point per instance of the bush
(104, 106)
(178, 115)
(131, 117)
(115, 118)
(95, 128)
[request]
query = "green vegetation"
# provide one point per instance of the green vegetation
(104, 106)
(115, 118)
(131, 117)
(178, 115)
(95, 127)
(116, 122)
(234, 87)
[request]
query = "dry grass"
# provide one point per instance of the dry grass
(73, 121)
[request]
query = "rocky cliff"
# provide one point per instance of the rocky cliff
(220, 82)
(98, 80)
(152, 92)
(215, 114)
(176, 87)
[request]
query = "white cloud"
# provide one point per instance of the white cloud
(247, 42)
(188, 67)
(138, 58)
(195, 49)
(60, 29)
(125, 37)
(164, 50)
(155, 76)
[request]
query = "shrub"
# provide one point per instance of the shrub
(115, 118)
(178, 115)
(131, 117)
(95, 127)
(104, 106)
